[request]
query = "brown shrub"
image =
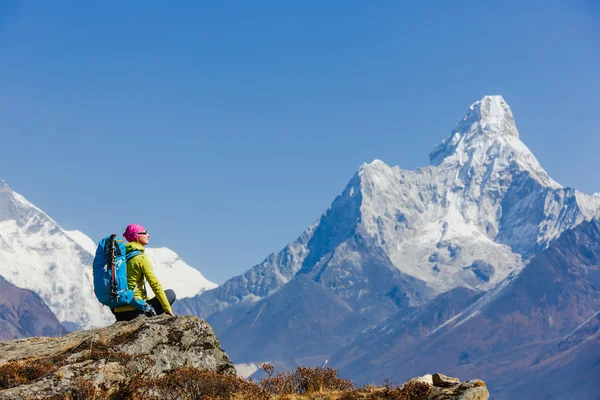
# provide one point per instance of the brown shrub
(79, 390)
(410, 391)
(15, 373)
(109, 355)
(95, 351)
(416, 390)
(82, 390)
(193, 384)
(305, 380)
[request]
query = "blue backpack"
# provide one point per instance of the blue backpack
(110, 275)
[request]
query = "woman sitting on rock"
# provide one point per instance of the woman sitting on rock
(139, 269)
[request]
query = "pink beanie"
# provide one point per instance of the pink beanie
(131, 233)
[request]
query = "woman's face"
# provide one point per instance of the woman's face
(143, 238)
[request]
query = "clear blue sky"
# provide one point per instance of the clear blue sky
(227, 128)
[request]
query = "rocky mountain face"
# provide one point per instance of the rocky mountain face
(314, 322)
(107, 359)
(566, 371)
(396, 240)
(258, 282)
(23, 313)
(37, 254)
(539, 325)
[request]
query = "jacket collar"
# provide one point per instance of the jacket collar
(131, 246)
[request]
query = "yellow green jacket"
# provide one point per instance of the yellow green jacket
(139, 269)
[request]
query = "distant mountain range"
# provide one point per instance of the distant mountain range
(542, 321)
(400, 253)
(37, 254)
(479, 264)
(23, 313)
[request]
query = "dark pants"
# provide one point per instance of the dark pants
(129, 315)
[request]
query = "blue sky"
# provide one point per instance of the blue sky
(227, 128)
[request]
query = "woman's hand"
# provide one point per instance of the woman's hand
(170, 313)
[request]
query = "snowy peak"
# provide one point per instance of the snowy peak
(488, 137)
(493, 116)
(487, 122)
(37, 254)
(4, 186)
(469, 221)
(485, 202)
(375, 176)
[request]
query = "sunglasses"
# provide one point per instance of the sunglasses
(142, 233)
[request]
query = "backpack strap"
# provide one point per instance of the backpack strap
(128, 257)
(132, 254)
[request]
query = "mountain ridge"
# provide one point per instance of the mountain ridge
(395, 240)
(545, 313)
(24, 313)
(37, 254)
(490, 209)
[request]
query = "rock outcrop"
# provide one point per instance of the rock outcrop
(176, 357)
(108, 358)
(470, 390)
(442, 387)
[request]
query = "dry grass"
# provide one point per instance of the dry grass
(304, 380)
(17, 373)
(410, 391)
(303, 384)
(189, 383)
(193, 384)
(79, 390)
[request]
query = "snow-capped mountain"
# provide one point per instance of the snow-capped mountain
(255, 284)
(542, 325)
(482, 207)
(395, 239)
(36, 254)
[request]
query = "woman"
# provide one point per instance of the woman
(139, 269)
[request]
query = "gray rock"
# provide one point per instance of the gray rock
(442, 380)
(422, 379)
(483, 270)
(109, 357)
(443, 387)
(469, 390)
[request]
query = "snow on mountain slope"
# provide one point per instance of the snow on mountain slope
(528, 329)
(175, 274)
(172, 271)
(258, 282)
(36, 254)
(488, 138)
(83, 240)
(481, 209)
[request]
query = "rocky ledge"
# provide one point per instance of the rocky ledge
(442, 387)
(177, 357)
(107, 358)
